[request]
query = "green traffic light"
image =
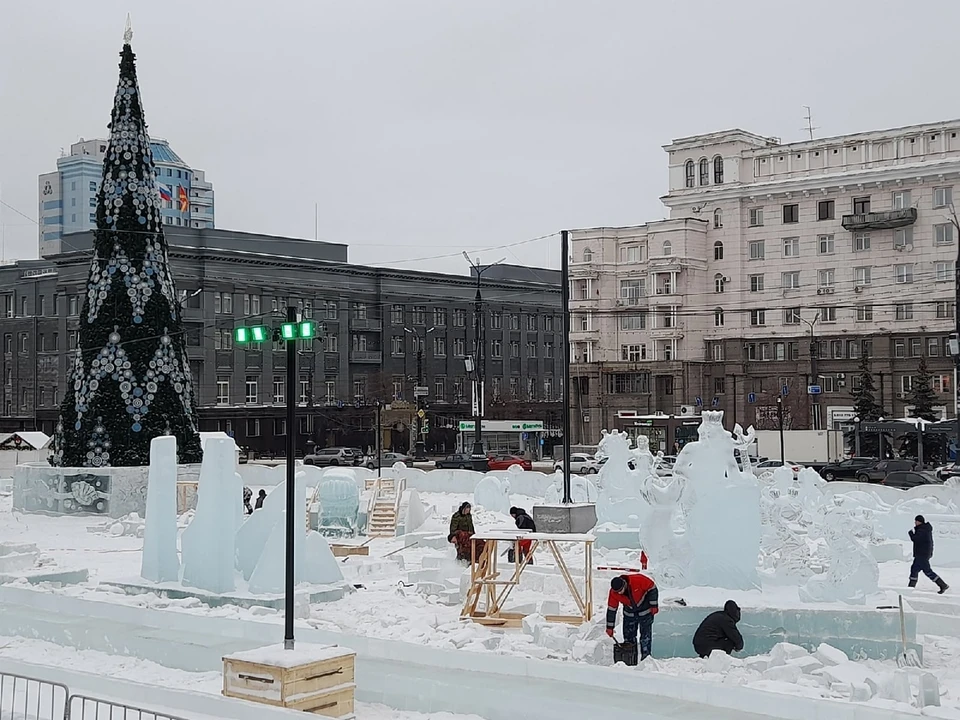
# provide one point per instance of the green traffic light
(288, 331)
(241, 335)
(307, 329)
(244, 335)
(259, 333)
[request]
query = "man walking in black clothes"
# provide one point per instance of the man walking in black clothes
(718, 631)
(922, 537)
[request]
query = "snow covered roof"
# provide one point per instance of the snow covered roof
(34, 439)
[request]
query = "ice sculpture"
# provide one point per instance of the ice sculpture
(582, 489)
(209, 542)
(722, 507)
(620, 500)
(852, 573)
(668, 554)
(339, 498)
(493, 493)
(254, 533)
(160, 561)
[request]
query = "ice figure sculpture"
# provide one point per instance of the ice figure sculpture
(160, 561)
(339, 498)
(209, 542)
(493, 493)
(582, 489)
(620, 500)
(668, 554)
(722, 507)
(784, 546)
(852, 573)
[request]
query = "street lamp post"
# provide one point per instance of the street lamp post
(780, 421)
(814, 375)
(420, 449)
(856, 435)
(478, 457)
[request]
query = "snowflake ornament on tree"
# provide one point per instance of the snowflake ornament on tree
(131, 377)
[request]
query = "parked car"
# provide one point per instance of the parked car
(773, 464)
(459, 461)
(946, 472)
(878, 471)
(630, 464)
(906, 479)
(846, 469)
(388, 459)
(502, 462)
(580, 464)
(333, 456)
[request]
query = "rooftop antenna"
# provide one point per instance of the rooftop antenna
(809, 118)
(128, 31)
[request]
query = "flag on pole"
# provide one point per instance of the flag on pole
(166, 192)
(184, 201)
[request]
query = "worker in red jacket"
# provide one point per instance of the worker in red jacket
(638, 595)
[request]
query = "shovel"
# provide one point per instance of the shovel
(906, 658)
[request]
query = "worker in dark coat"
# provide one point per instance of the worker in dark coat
(524, 522)
(638, 595)
(261, 496)
(718, 631)
(922, 537)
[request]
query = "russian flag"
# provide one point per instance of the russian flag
(166, 192)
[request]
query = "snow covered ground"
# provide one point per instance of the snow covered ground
(387, 607)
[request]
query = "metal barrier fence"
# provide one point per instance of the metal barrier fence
(25, 698)
(82, 707)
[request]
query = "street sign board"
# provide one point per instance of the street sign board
(420, 414)
(785, 390)
(751, 397)
(421, 391)
(814, 389)
(699, 401)
(503, 426)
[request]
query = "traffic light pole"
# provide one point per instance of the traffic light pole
(292, 515)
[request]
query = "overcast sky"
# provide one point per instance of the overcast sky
(423, 128)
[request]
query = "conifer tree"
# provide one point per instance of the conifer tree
(867, 408)
(130, 380)
(923, 399)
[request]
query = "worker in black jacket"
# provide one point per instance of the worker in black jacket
(922, 537)
(718, 631)
(524, 522)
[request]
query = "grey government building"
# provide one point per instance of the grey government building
(373, 321)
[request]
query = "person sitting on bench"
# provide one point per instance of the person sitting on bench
(718, 631)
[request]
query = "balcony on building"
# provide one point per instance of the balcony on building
(372, 324)
(366, 356)
(880, 220)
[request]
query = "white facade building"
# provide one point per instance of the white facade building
(779, 267)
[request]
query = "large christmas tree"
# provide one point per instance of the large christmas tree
(131, 377)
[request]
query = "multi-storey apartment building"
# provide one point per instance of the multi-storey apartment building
(788, 262)
(383, 332)
(68, 196)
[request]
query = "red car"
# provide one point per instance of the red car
(502, 462)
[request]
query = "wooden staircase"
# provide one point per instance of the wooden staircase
(383, 518)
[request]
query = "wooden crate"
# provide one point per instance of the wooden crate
(314, 678)
(348, 550)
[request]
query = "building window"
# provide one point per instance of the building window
(23, 342)
(718, 250)
(791, 213)
(906, 384)
(331, 343)
(633, 321)
(439, 317)
(828, 314)
(901, 200)
(825, 244)
(253, 427)
(514, 349)
(253, 389)
(825, 279)
(515, 386)
(719, 386)
(330, 391)
(223, 390)
(861, 241)
(864, 313)
(459, 317)
(718, 282)
(790, 280)
(359, 342)
(459, 347)
(360, 312)
(633, 353)
(791, 247)
(826, 210)
(514, 321)
(633, 253)
(667, 248)
(791, 316)
(943, 234)
(718, 218)
(756, 217)
(916, 345)
(716, 351)
(397, 347)
(933, 347)
(862, 275)
(757, 250)
(904, 311)
(333, 310)
(532, 323)
(222, 303)
(942, 197)
(496, 321)
(548, 350)
(861, 205)
(531, 349)
(689, 176)
(440, 347)
(756, 283)
(944, 271)
(23, 306)
(718, 170)
(758, 317)
(903, 274)
(718, 317)
(496, 349)
(944, 310)
(704, 171)
(359, 389)
(902, 237)
(587, 255)
(632, 290)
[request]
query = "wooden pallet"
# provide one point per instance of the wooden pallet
(314, 679)
(348, 550)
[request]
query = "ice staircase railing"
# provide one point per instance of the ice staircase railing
(386, 489)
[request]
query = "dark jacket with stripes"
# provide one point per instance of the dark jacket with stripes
(639, 600)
